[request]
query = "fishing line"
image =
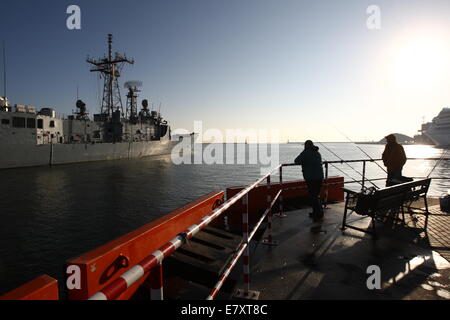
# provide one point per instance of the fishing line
(346, 164)
(360, 149)
(437, 162)
(349, 176)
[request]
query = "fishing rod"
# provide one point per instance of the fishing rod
(361, 149)
(343, 172)
(343, 161)
(437, 162)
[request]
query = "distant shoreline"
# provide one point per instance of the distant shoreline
(301, 143)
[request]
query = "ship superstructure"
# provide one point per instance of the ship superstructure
(439, 129)
(29, 137)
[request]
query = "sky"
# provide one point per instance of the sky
(307, 69)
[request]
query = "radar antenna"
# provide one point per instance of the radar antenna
(110, 68)
(82, 113)
(132, 86)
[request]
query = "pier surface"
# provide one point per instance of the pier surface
(333, 264)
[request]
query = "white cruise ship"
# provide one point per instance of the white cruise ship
(439, 129)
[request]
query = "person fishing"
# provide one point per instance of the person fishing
(394, 158)
(311, 162)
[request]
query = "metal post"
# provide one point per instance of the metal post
(281, 214)
(269, 241)
(246, 293)
(269, 216)
(156, 283)
(51, 152)
(245, 231)
(326, 185)
(364, 174)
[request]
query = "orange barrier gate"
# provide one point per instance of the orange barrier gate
(40, 288)
(139, 272)
(89, 273)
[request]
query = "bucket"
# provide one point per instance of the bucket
(444, 202)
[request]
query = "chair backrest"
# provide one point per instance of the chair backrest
(419, 188)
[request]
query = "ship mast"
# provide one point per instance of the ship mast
(110, 69)
(4, 70)
(132, 95)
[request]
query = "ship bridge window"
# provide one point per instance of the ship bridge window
(40, 124)
(52, 124)
(5, 121)
(31, 123)
(18, 122)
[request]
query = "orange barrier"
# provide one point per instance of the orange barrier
(108, 262)
(41, 288)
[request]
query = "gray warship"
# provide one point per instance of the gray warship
(36, 138)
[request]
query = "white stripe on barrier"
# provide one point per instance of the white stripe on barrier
(98, 296)
(132, 275)
(192, 228)
(176, 242)
(159, 255)
(226, 274)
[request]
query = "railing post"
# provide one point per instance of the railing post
(269, 241)
(156, 283)
(364, 174)
(245, 231)
(246, 293)
(281, 214)
(269, 216)
(326, 185)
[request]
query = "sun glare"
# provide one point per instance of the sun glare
(420, 62)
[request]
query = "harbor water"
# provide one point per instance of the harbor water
(51, 214)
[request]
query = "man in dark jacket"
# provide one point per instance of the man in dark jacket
(311, 162)
(394, 158)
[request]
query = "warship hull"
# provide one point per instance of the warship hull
(18, 156)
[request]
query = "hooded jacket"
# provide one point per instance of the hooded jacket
(394, 157)
(311, 162)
